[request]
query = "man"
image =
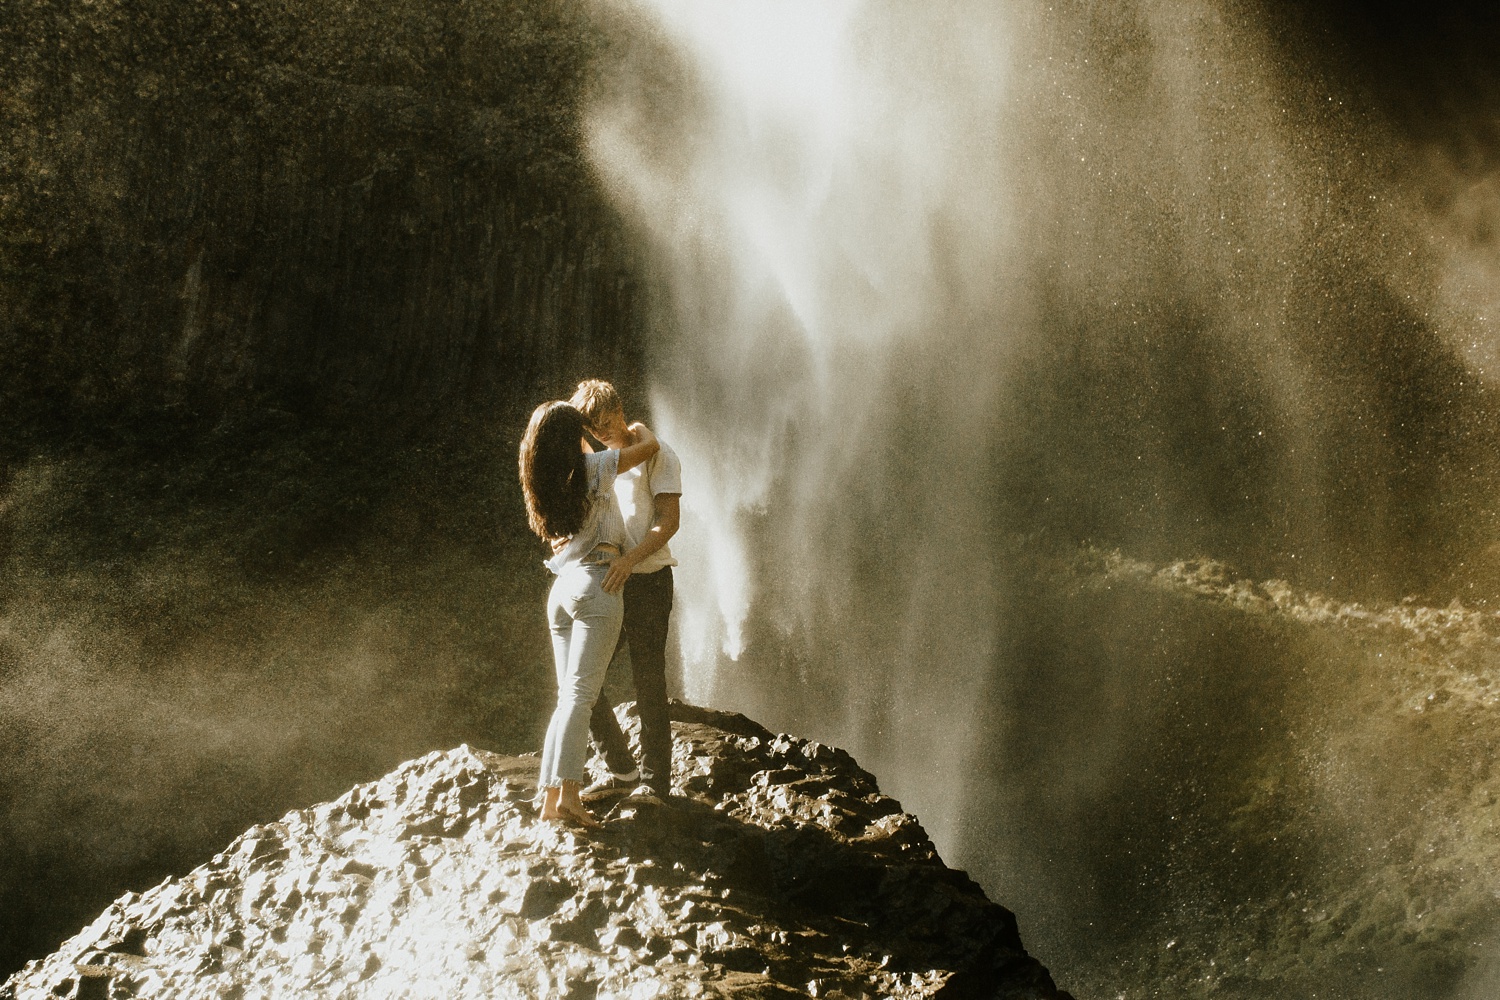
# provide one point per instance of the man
(648, 496)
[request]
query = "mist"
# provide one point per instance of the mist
(279, 286)
(1085, 415)
(957, 308)
(197, 637)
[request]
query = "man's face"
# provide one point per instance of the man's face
(610, 429)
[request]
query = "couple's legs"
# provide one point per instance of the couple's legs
(585, 624)
(648, 606)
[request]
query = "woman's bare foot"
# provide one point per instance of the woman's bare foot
(563, 805)
(546, 802)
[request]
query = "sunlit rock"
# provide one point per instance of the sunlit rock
(777, 869)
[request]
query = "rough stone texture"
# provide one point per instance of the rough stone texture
(317, 207)
(777, 869)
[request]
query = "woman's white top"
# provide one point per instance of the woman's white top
(602, 523)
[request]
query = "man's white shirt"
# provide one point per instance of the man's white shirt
(636, 490)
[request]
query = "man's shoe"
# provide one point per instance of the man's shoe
(647, 793)
(612, 784)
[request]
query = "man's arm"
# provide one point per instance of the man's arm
(663, 527)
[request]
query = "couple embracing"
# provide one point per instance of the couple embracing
(608, 516)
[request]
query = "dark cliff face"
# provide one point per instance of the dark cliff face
(779, 870)
(279, 285)
(313, 206)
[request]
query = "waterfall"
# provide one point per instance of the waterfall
(944, 286)
(828, 205)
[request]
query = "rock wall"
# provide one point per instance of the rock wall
(314, 206)
(280, 281)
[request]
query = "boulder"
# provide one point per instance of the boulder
(775, 869)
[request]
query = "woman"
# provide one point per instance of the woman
(570, 501)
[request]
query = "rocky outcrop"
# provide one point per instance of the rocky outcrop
(777, 869)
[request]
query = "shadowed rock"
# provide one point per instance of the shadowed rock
(778, 869)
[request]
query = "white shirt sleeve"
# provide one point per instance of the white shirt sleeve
(666, 471)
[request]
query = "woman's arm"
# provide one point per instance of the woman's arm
(643, 450)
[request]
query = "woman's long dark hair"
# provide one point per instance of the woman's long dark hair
(553, 479)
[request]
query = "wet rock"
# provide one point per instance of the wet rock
(776, 869)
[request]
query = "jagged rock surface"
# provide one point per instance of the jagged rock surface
(777, 870)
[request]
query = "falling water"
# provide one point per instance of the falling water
(832, 216)
(948, 288)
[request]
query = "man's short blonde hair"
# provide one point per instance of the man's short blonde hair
(594, 398)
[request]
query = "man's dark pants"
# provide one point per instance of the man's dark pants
(648, 605)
